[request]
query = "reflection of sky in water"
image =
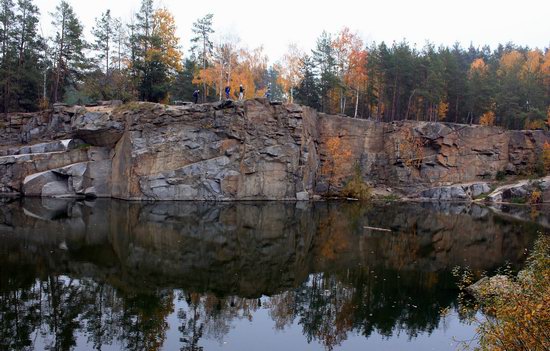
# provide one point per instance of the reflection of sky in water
(260, 333)
(269, 276)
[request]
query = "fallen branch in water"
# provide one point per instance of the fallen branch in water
(379, 229)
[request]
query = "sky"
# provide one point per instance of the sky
(276, 24)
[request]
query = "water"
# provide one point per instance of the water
(265, 276)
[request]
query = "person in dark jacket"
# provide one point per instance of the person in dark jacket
(196, 96)
(227, 91)
(241, 92)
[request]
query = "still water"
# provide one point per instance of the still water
(115, 275)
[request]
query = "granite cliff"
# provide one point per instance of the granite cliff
(251, 150)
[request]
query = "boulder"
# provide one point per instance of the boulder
(33, 184)
(56, 189)
(302, 196)
(98, 128)
(490, 286)
(521, 191)
(75, 180)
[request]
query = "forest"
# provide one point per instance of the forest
(140, 59)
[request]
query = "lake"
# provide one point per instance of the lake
(114, 275)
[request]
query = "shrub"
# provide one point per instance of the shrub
(535, 197)
(487, 119)
(356, 187)
(517, 309)
(500, 175)
(546, 157)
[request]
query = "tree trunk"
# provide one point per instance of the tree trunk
(409, 104)
(456, 110)
(394, 98)
(356, 104)
(204, 67)
(59, 61)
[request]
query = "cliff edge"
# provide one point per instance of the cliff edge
(251, 150)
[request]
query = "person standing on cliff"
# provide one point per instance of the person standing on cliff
(227, 91)
(241, 93)
(196, 96)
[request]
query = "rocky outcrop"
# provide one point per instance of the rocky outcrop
(458, 192)
(84, 179)
(413, 156)
(252, 150)
(535, 190)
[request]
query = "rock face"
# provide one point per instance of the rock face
(412, 156)
(250, 150)
(242, 151)
(459, 192)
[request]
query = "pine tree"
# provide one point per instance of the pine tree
(202, 45)
(308, 91)
(29, 61)
(20, 57)
(183, 86)
(325, 64)
(69, 48)
(7, 36)
(104, 34)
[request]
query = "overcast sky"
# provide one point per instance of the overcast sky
(274, 24)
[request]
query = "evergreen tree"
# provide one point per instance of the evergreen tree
(202, 45)
(7, 36)
(183, 86)
(325, 64)
(69, 48)
(103, 33)
(308, 91)
(155, 56)
(20, 63)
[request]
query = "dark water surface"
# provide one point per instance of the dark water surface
(116, 275)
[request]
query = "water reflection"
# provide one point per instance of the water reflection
(111, 273)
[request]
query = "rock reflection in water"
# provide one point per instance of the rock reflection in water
(111, 272)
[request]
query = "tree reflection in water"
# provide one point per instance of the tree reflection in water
(111, 273)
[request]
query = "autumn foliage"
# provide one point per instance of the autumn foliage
(487, 119)
(338, 160)
(546, 157)
(517, 308)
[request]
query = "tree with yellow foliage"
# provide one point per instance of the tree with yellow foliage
(155, 52)
(289, 69)
(356, 77)
(487, 119)
(234, 66)
(346, 46)
(165, 41)
(338, 158)
(478, 85)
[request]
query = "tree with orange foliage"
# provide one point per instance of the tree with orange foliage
(442, 109)
(338, 157)
(346, 47)
(478, 85)
(487, 119)
(232, 66)
(155, 55)
(218, 74)
(165, 41)
(356, 77)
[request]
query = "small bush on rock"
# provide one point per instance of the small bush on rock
(356, 187)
